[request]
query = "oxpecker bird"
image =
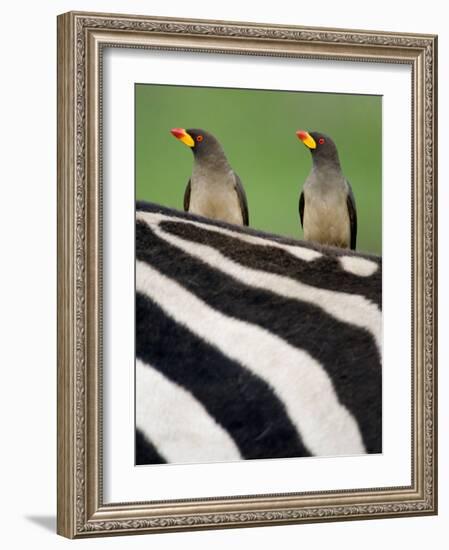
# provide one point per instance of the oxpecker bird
(214, 189)
(326, 205)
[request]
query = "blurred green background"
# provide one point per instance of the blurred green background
(257, 131)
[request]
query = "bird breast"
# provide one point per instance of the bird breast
(214, 196)
(326, 218)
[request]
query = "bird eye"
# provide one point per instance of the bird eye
(321, 141)
(199, 138)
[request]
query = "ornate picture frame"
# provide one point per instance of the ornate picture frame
(82, 38)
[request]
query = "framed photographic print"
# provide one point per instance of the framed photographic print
(246, 274)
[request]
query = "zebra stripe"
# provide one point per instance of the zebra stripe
(301, 253)
(243, 404)
(325, 425)
(320, 273)
(146, 452)
(360, 264)
(320, 338)
(184, 431)
(244, 234)
(349, 308)
(231, 388)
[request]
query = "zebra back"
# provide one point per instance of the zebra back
(250, 345)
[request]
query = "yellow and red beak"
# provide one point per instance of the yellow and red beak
(183, 136)
(306, 138)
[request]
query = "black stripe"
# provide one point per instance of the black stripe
(146, 452)
(324, 272)
(348, 353)
(242, 403)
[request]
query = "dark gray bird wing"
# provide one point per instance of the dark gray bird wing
(187, 198)
(242, 199)
(350, 201)
(301, 208)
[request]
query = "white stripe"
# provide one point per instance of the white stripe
(298, 251)
(349, 308)
(326, 426)
(176, 423)
(358, 266)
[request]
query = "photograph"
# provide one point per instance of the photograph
(246, 248)
(258, 274)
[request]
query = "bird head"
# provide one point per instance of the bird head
(322, 147)
(202, 143)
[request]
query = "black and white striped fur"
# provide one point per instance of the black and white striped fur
(251, 345)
